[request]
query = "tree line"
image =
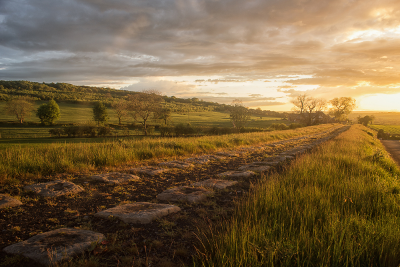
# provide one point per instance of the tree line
(64, 92)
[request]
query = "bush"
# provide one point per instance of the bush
(104, 130)
(382, 134)
(279, 126)
(295, 125)
(56, 132)
(184, 130)
(166, 131)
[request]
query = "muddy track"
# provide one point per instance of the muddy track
(170, 240)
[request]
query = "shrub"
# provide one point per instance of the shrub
(166, 131)
(56, 132)
(295, 125)
(279, 126)
(104, 130)
(184, 130)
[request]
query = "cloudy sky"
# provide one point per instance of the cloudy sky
(261, 51)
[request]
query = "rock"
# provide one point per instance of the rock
(51, 247)
(236, 174)
(115, 177)
(149, 170)
(184, 193)
(214, 183)
(55, 188)
(228, 154)
(7, 201)
(255, 167)
(139, 212)
(176, 164)
(204, 159)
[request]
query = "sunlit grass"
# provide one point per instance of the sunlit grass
(391, 129)
(338, 206)
(19, 161)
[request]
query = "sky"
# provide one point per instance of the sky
(263, 52)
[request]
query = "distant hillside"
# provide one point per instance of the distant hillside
(64, 92)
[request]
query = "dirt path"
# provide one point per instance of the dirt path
(393, 147)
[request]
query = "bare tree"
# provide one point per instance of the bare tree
(308, 108)
(21, 107)
(300, 103)
(121, 109)
(143, 106)
(239, 114)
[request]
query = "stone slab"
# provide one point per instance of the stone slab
(8, 202)
(139, 212)
(215, 183)
(176, 164)
(51, 247)
(184, 193)
(228, 154)
(149, 170)
(236, 174)
(255, 167)
(204, 159)
(115, 177)
(55, 188)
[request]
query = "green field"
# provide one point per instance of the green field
(391, 129)
(381, 118)
(83, 114)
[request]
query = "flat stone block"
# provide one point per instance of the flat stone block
(51, 247)
(215, 183)
(228, 154)
(115, 177)
(139, 212)
(55, 188)
(255, 167)
(7, 201)
(184, 193)
(204, 159)
(236, 174)
(149, 170)
(176, 164)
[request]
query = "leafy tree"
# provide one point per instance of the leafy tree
(100, 112)
(341, 107)
(366, 120)
(121, 109)
(144, 106)
(21, 107)
(48, 113)
(239, 114)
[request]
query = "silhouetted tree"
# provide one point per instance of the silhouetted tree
(366, 120)
(239, 114)
(341, 107)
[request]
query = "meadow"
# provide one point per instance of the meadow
(18, 162)
(336, 206)
(83, 114)
(381, 118)
(391, 129)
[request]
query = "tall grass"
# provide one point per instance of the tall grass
(62, 157)
(337, 206)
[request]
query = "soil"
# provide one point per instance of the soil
(393, 147)
(171, 239)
